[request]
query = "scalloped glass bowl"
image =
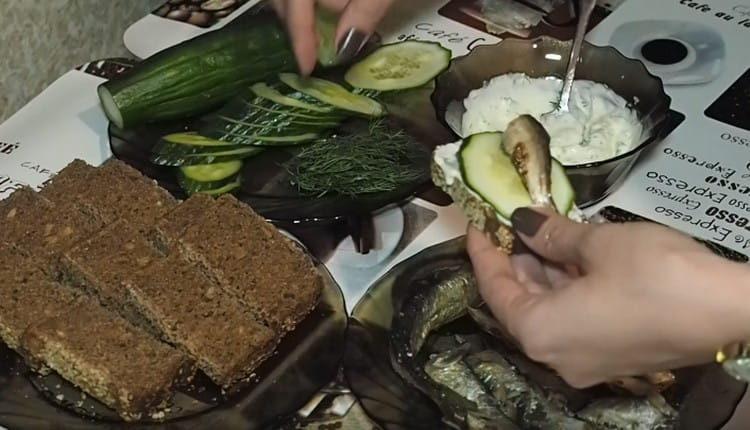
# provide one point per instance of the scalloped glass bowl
(546, 56)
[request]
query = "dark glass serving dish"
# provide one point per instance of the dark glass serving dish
(546, 56)
(306, 360)
(705, 397)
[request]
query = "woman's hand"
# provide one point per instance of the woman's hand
(357, 23)
(601, 302)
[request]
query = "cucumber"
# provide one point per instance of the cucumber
(211, 172)
(489, 172)
(263, 120)
(209, 177)
(190, 148)
(263, 90)
(333, 94)
(399, 66)
(326, 23)
(260, 140)
(223, 186)
(225, 189)
(177, 156)
(190, 139)
(198, 74)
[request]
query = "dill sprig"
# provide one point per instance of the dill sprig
(373, 159)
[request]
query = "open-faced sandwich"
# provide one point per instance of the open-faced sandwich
(490, 175)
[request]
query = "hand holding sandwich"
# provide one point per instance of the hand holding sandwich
(600, 302)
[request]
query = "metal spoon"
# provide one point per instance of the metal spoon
(587, 7)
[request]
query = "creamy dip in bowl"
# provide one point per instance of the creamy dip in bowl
(599, 125)
(618, 109)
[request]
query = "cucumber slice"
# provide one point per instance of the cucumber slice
(489, 172)
(326, 23)
(257, 120)
(191, 139)
(211, 172)
(216, 188)
(266, 92)
(260, 140)
(226, 189)
(214, 179)
(400, 66)
(333, 94)
(177, 157)
(164, 147)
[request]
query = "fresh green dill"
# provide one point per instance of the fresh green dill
(376, 158)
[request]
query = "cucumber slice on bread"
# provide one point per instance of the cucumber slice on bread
(483, 182)
(488, 171)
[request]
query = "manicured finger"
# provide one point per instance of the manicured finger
(551, 236)
(357, 24)
(300, 19)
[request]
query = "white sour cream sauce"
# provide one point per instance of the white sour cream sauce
(599, 125)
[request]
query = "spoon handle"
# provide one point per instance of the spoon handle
(587, 7)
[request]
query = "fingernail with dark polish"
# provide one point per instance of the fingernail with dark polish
(527, 221)
(519, 247)
(350, 45)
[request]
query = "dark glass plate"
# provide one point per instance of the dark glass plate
(706, 395)
(266, 186)
(305, 361)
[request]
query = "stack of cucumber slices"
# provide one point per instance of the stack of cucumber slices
(291, 111)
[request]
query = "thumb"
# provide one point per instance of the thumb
(552, 236)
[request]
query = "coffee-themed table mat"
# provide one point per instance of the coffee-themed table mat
(697, 180)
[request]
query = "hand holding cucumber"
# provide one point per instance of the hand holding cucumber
(357, 22)
(639, 299)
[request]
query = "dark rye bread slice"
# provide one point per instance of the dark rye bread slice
(480, 213)
(176, 222)
(67, 182)
(43, 228)
(203, 320)
(115, 190)
(109, 359)
(103, 264)
(250, 258)
(27, 294)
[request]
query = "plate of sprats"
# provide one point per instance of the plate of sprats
(420, 356)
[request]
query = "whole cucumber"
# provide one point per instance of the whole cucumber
(199, 74)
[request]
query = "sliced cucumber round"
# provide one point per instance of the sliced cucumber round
(216, 188)
(266, 92)
(260, 140)
(212, 172)
(226, 189)
(489, 172)
(400, 66)
(326, 23)
(192, 139)
(178, 158)
(333, 94)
